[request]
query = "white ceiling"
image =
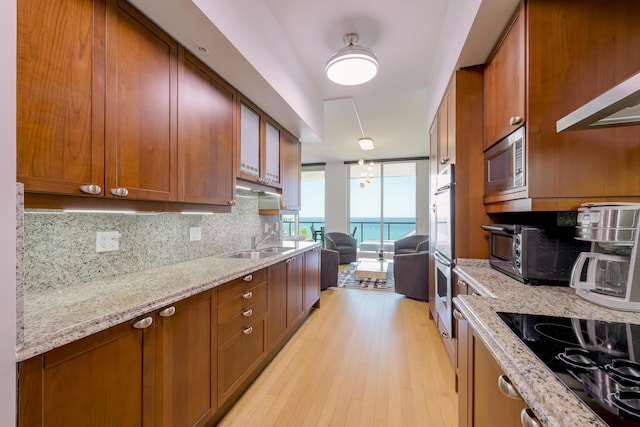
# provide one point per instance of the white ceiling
(274, 51)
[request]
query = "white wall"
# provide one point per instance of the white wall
(8, 214)
(336, 211)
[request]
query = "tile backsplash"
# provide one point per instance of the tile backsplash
(60, 248)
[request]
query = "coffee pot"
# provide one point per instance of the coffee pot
(609, 274)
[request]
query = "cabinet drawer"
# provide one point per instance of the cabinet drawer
(242, 319)
(239, 355)
(241, 301)
(240, 285)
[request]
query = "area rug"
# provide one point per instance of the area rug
(347, 279)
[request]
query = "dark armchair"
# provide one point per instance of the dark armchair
(344, 244)
(411, 244)
(411, 275)
(329, 263)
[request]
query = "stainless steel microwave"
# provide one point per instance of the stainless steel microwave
(505, 164)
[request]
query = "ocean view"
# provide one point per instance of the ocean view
(366, 228)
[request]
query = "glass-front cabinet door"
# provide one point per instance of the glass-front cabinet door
(272, 154)
(249, 141)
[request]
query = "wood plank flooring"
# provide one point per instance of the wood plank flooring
(365, 358)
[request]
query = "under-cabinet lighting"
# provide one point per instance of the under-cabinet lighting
(272, 193)
(29, 212)
(98, 211)
(240, 187)
(196, 213)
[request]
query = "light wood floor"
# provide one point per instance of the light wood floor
(365, 358)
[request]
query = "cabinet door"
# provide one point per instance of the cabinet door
(239, 355)
(272, 155)
(295, 293)
(277, 303)
(250, 150)
(311, 278)
(504, 84)
(105, 379)
(60, 95)
(141, 80)
(441, 128)
(206, 137)
(292, 167)
(486, 394)
(451, 121)
(186, 362)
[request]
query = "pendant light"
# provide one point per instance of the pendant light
(353, 64)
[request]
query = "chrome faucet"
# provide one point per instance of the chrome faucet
(255, 242)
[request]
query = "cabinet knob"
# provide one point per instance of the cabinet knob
(462, 283)
(91, 189)
(444, 160)
(515, 120)
(143, 323)
(232, 203)
(248, 330)
(247, 313)
(529, 419)
(507, 388)
(168, 312)
(444, 334)
(120, 192)
(247, 295)
(457, 315)
(248, 278)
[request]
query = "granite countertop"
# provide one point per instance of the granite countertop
(550, 399)
(57, 317)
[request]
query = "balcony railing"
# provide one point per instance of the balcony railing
(364, 230)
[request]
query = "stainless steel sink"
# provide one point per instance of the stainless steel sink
(252, 255)
(276, 249)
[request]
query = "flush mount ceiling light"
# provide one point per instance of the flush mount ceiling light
(353, 64)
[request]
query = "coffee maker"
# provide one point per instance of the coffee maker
(609, 275)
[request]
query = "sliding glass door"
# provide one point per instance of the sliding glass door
(382, 204)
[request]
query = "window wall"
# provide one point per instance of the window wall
(310, 219)
(382, 203)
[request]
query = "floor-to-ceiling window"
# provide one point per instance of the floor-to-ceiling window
(311, 215)
(382, 203)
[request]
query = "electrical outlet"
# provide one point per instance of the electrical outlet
(195, 234)
(266, 228)
(107, 241)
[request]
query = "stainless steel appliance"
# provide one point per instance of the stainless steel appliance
(444, 252)
(609, 274)
(598, 361)
(505, 165)
(533, 255)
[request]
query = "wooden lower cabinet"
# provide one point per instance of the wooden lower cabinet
(106, 379)
(295, 293)
(480, 401)
(311, 281)
(277, 303)
(186, 362)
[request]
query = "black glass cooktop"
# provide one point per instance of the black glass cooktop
(598, 361)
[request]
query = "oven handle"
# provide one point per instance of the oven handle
(498, 229)
(441, 259)
(443, 189)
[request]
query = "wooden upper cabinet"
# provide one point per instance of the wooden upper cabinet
(446, 128)
(60, 95)
(291, 170)
(141, 129)
(505, 84)
(206, 134)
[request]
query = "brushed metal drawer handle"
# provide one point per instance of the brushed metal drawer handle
(529, 419)
(515, 120)
(91, 189)
(168, 312)
(247, 295)
(507, 388)
(120, 192)
(247, 313)
(248, 278)
(248, 330)
(143, 323)
(457, 315)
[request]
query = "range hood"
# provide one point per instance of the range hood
(619, 106)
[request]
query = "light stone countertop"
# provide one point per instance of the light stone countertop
(553, 403)
(57, 317)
